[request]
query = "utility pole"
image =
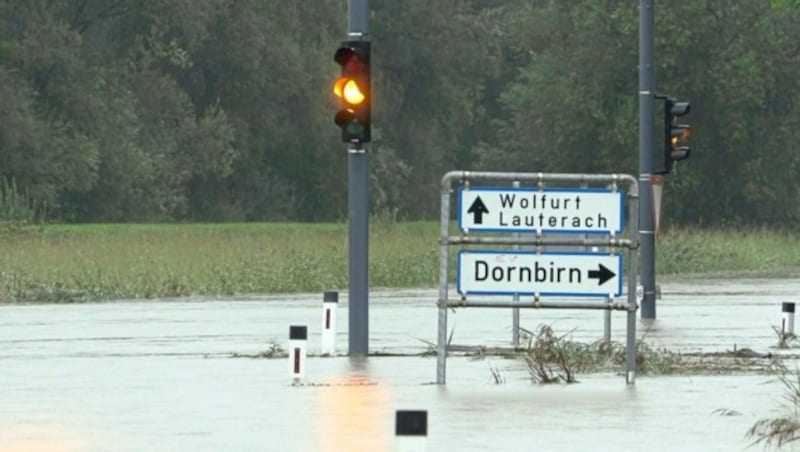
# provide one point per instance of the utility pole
(647, 87)
(358, 210)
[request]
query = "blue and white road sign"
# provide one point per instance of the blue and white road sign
(510, 272)
(512, 209)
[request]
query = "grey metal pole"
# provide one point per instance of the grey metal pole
(634, 200)
(444, 257)
(630, 348)
(515, 311)
(647, 86)
(358, 247)
(358, 19)
(358, 212)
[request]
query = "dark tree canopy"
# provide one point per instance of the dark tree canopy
(222, 110)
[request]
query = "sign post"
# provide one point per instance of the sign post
(558, 227)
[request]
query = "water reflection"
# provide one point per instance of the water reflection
(20, 437)
(355, 412)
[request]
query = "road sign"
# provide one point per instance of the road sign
(510, 272)
(512, 209)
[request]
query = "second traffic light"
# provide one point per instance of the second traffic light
(675, 146)
(353, 88)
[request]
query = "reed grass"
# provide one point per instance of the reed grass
(777, 432)
(61, 263)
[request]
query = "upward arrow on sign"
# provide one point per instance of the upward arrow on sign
(477, 209)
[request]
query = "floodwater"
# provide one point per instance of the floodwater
(160, 375)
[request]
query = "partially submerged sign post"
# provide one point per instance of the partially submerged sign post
(574, 228)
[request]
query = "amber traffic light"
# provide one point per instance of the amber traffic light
(353, 90)
(676, 147)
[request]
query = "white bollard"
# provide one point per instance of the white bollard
(787, 324)
(329, 302)
(411, 430)
(298, 336)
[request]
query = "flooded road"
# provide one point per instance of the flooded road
(159, 375)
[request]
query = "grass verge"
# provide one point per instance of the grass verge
(63, 263)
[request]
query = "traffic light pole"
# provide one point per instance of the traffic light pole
(358, 211)
(647, 87)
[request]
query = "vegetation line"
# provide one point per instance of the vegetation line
(58, 263)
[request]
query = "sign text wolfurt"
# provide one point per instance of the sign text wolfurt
(512, 209)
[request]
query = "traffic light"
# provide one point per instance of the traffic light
(353, 88)
(675, 146)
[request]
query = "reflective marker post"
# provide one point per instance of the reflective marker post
(329, 302)
(787, 323)
(298, 336)
(411, 430)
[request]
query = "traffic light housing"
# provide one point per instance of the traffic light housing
(353, 89)
(675, 135)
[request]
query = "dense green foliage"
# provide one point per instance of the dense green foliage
(126, 110)
(60, 263)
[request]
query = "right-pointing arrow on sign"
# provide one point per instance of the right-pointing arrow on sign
(602, 274)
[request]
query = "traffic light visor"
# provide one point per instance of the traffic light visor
(680, 133)
(353, 55)
(680, 108)
(344, 117)
(348, 90)
(343, 55)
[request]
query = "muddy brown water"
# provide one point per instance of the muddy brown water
(158, 375)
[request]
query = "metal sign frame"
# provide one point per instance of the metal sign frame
(476, 237)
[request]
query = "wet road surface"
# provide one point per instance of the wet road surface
(158, 375)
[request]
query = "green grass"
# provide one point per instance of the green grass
(96, 262)
(732, 251)
(113, 261)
